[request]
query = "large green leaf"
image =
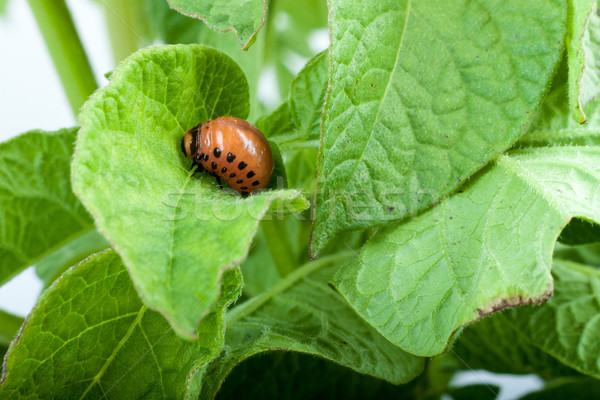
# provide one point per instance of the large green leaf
(302, 313)
(422, 96)
(39, 214)
(583, 44)
(288, 376)
(176, 233)
(90, 336)
(484, 249)
(531, 339)
(244, 17)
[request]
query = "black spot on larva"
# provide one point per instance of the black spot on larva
(239, 181)
(232, 175)
(205, 157)
(217, 152)
(255, 183)
(223, 170)
(244, 187)
(230, 157)
(250, 174)
(213, 165)
(242, 165)
(244, 193)
(198, 157)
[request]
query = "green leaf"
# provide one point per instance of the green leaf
(568, 326)
(168, 25)
(39, 214)
(580, 231)
(421, 99)
(9, 326)
(481, 392)
(584, 254)
(277, 123)
(567, 389)
(302, 313)
(307, 96)
(552, 340)
(484, 249)
(244, 17)
(282, 375)
(553, 124)
(583, 40)
(176, 233)
(90, 336)
(494, 344)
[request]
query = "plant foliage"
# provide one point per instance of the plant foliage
(432, 169)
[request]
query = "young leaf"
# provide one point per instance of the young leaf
(583, 41)
(307, 96)
(176, 233)
(39, 215)
(277, 123)
(302, 313)
(564, 329)
(297, 121)
(484, 249)
(421, 99)
(244, 17)
(90, 336)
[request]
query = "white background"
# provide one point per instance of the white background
(31, 97)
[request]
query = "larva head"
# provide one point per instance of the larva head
(189, 142)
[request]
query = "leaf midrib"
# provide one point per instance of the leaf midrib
(116, 350)
(385, 93)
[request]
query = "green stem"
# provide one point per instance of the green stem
(278, 243)
(9, 326)
(66, 50)
(126, 28)
(253, 304)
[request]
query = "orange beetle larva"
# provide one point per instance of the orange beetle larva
(231, 149)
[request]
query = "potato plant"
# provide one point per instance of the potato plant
(434, 205)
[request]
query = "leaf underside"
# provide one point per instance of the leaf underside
(244, 17)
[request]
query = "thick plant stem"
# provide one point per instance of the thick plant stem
(63, 43)
(126, 28)
(278, 242)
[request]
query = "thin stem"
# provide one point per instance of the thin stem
(63, 43)
(278, 243)
(253, 304)
(125, 27)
